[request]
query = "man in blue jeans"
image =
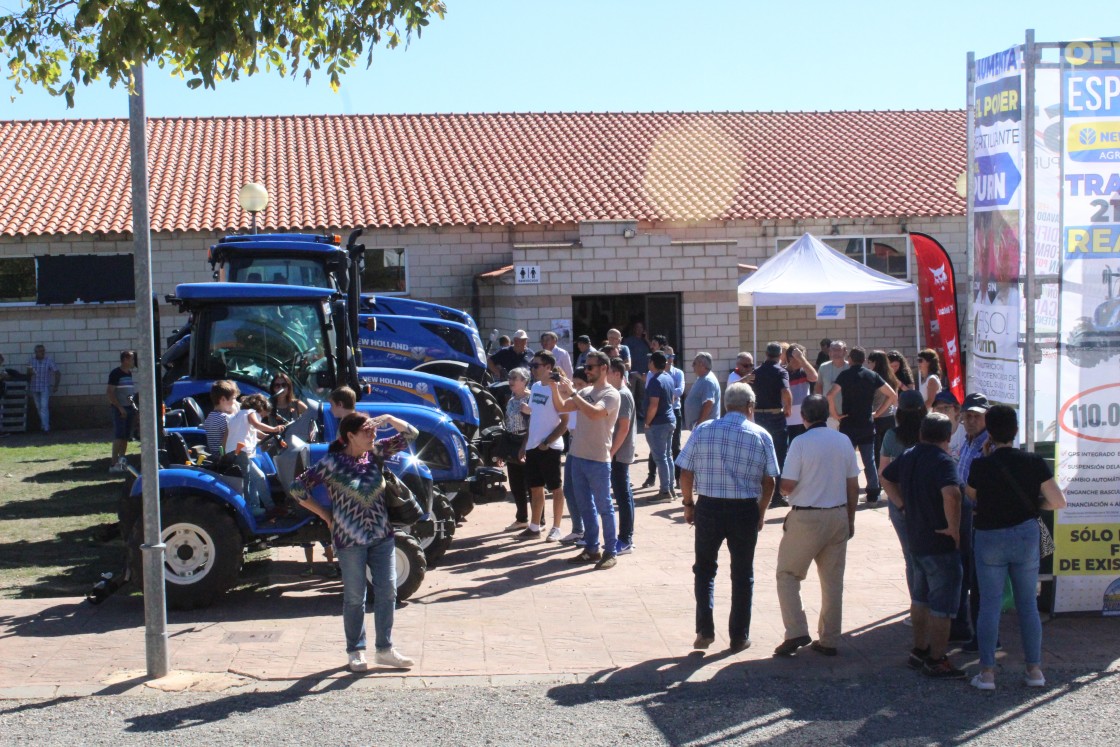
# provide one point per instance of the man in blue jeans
(660, 423)
(856, 387)
(923, 483)
(728, 470)
(590, 456)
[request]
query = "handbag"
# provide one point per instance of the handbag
(401, 504)
(508, 446)
(1045, 539)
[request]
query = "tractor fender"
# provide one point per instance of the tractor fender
(204, 482)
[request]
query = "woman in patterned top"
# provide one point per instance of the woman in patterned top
(360, 528)
(517, 423)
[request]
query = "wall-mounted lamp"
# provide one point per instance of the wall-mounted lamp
(629, 233)
(253, 198)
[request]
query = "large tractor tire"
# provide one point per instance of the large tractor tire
(435, 547)
(203, 556)
(410, 566)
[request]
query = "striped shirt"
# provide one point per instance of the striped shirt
(729, 457)
(355, 486)
(41, 370)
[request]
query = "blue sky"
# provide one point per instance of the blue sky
(632, 55)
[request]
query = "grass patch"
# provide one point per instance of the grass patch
(56, 502)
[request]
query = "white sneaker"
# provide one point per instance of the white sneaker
(553, 535)
(569, 539)
(358, 662)
(517, 526)
(393, 658)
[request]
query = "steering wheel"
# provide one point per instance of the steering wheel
(300, 359)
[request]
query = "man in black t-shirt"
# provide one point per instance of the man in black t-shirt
(857, 387)
(774, 403)
(517, 355)
(923, 484)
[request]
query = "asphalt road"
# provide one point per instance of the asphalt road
(900, 708)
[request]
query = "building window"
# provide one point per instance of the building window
(889, 255)
(17, 280)
(85, 278)
(386, 271)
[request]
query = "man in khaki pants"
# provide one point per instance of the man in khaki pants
(821, 480)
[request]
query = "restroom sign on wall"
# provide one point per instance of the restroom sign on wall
(527, 274)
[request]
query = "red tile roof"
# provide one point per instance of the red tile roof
(71, 176)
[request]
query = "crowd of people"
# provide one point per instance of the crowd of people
(964, 501)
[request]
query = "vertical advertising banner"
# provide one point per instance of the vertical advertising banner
(997, 219)
(937, 289)
(1087, 532)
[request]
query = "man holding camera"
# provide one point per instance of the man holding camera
(590, 456)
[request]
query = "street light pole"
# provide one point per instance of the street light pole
(155, 608)
(253, 198)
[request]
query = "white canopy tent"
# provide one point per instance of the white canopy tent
(808, 272)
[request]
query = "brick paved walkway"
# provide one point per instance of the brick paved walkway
(501, 611)
(497, 610)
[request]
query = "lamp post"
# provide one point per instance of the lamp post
(253, 198)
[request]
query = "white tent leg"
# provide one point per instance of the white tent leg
(754, 335)
(858, 330)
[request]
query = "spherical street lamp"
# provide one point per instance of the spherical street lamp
(253, 198)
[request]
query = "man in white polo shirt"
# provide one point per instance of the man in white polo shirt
(821, 481)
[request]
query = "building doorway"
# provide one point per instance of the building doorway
(659, 312)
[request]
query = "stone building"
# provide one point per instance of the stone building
(626, 217)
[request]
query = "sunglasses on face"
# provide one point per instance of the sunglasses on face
(538, 365)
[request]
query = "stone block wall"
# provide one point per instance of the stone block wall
(700, 262)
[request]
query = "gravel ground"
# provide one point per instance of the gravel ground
(898, 709)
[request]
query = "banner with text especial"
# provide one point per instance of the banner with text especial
(997, 196)
(1087, 532)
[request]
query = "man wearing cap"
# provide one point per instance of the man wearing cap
(821, 481)
(583, 347)
(945, 402)
(858, 387)
(774, 403)
(517, 355)
(973, 420)
(702, 402)
(563, 359)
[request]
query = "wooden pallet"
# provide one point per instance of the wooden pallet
(13, 408)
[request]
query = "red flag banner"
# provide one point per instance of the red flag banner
(937, 288)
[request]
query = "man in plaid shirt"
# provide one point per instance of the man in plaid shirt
(731, 467)
(44, 375)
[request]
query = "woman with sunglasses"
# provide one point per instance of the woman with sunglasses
(285, 406)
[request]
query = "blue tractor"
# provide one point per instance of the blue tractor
(207, 527)
(412, 339)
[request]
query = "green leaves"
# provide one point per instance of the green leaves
(58, 44)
